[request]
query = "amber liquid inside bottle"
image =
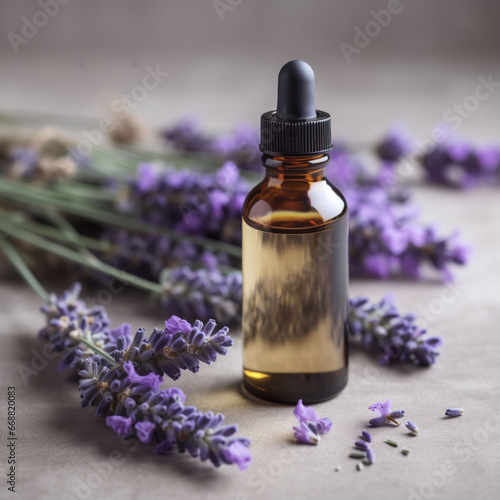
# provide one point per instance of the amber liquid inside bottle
(295, 283)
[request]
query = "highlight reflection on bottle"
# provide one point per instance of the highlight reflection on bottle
(295, 255)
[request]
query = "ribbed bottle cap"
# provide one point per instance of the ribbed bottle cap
(296, 128)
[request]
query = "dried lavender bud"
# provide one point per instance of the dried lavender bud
(453, 412)
(392, 336)
(370, 456)
(397, 414)
(359, 466)
(361, 445)
(405, 452)
(366, 436)
(412, 428)
(357, 455)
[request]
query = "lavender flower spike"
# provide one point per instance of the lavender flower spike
(385, 414)
(412, 428)
(127, 392)
(310, 424)
(397, 414)
(454, 412)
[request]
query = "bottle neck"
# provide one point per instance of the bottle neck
(308, 168)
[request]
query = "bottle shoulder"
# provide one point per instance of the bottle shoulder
(294, 204)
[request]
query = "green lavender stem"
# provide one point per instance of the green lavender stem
(84, 260)
(96, 349)
(50, 232)
(16, 260)
(19, 192)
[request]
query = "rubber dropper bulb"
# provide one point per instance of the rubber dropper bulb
(296, 92)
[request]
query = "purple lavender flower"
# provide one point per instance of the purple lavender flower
(454, 412)
(127, 393)
(307, 433)
(144, 431)
(239, 454)
(384, 409)
(412, 428)
(396, 144)
(202, 293)
(385, 238)
(148, 254)
(205, 204)
(308, 414)
(180, 346)
(121, 425)
(380, 328)
(151, 380)
(240, 145)
(385, 414)
(310, 424)
(459, 164)
(69, 318)
(186, 135)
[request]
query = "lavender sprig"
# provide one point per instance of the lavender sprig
(190, 202)
(202, 293)
(392, 336)
(240, 146)
(126, 390)
(178, 347)
(385, 238)
(146, 255)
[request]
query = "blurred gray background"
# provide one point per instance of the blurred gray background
(427, 58)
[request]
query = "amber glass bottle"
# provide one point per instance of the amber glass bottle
(295, 262)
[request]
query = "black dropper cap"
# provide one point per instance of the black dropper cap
(296, 128)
